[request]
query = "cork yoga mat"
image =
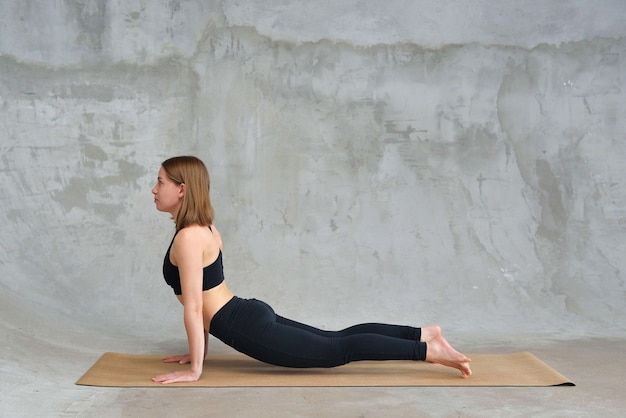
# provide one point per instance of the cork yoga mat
(236, 370)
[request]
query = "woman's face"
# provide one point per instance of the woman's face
(167, 194)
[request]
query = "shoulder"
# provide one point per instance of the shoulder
(190, 237)
(190, 232)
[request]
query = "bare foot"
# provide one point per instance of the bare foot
(430, 332)
(439, 351)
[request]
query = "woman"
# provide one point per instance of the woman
(193, 268)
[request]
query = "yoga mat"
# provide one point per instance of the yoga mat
(236, 370)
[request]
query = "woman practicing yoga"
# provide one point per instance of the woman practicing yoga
(193, 268)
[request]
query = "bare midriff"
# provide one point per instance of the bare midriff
(212, 301)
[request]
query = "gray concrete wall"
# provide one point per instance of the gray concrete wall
(454, 162)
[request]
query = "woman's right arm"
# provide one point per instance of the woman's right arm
(188, 252)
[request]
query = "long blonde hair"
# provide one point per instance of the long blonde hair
(196, 204)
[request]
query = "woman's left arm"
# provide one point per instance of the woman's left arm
(188, 245)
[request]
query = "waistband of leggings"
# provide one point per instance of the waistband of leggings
(228, 306)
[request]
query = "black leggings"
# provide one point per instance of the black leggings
(252, 327)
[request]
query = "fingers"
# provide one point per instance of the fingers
(167, 381)
(180, 358)
(160, 379)
(167, 378)
(175, 377)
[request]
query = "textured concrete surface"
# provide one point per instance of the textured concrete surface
(453, 162)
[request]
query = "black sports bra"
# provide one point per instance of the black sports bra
(212, 275)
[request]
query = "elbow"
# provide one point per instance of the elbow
(193, 310)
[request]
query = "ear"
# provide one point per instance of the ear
(181, 190)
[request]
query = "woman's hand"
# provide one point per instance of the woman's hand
(179, 358)
(177, 377)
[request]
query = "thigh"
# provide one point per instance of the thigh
(293, 344)
(299, 325)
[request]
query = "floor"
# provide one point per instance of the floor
(39, 365)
